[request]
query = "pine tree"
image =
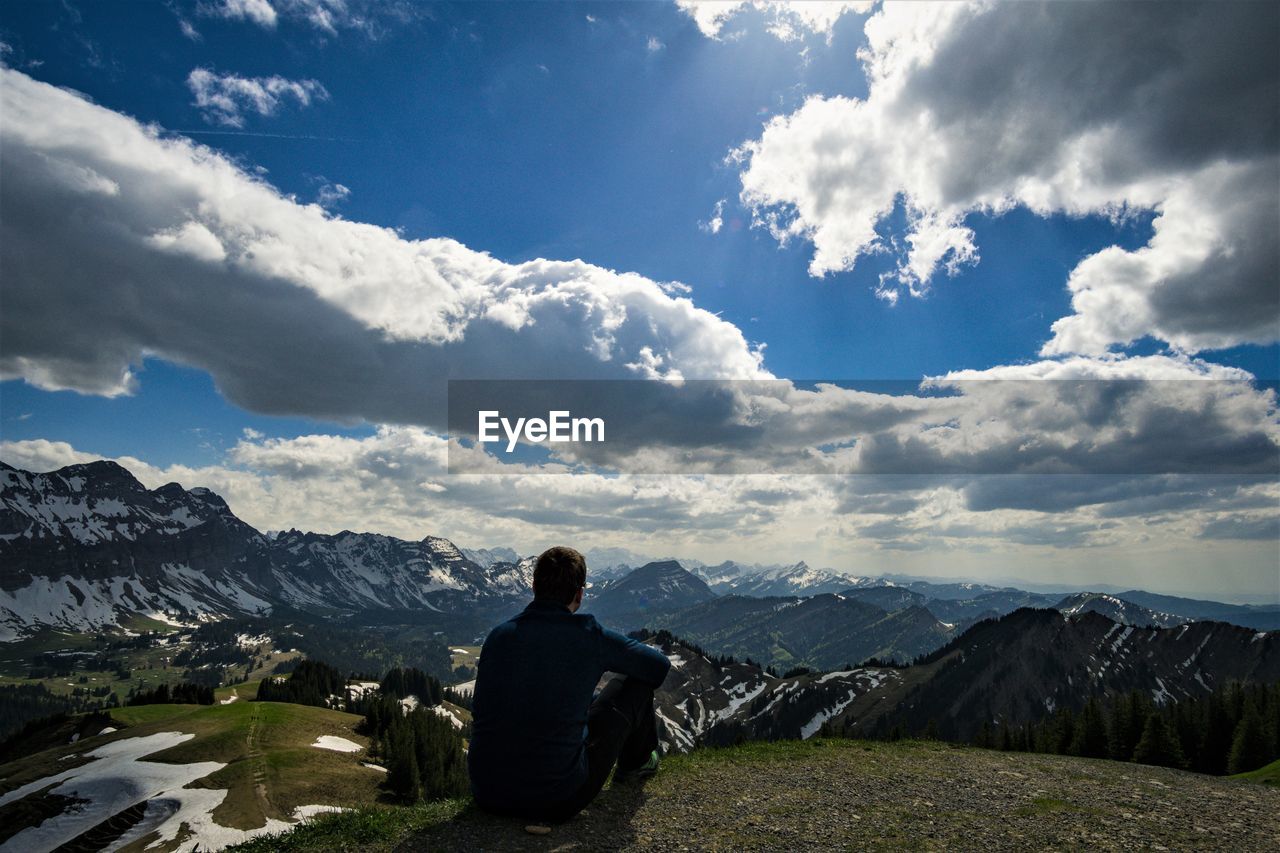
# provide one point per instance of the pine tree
(1215, 740)
(403, 775)
(1120, 738)
(1157, 745)
(1249, 748)
(1091, 733)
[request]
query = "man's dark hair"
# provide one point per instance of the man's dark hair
(559, 573)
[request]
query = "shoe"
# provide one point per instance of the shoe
(644, 771)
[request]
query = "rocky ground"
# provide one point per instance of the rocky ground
(851, 794)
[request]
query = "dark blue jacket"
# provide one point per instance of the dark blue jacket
(534, 683)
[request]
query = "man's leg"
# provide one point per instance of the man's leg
(621, 730)
(633, 700)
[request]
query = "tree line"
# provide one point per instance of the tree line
(185, 693)
(1233, 729)
(312, 682)
(421, 749)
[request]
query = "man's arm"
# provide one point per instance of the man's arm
(634, 659)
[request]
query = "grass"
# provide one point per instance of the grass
(1267, 775)
(374, 829)
(464, 655)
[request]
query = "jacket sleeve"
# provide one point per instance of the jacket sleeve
(633, 658)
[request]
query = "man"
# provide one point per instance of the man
(541, 747)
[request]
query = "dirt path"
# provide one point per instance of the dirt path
(850, 795)
(258, 761)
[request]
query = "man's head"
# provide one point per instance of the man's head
(560, 575)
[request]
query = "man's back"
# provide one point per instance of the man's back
(534, 684)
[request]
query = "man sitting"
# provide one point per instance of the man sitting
(541, 747)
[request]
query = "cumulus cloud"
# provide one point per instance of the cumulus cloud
(1062, 108)
(394, 482)
(785, 19)
(118, 242)
(225, 98)
(1117, 416)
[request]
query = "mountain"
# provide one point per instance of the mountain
(88, 546)
(1031, 662)
(825, 631)
(366, 571)
(986, 604)
(636, 599)
(730, 578)
(611, 563)
(1260, 617)
(889, 598)
(486, 557)
(714, 702)
(1117, 610)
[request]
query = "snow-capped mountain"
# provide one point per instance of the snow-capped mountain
(486, 557)
(1117, 610)
(730, 578)
(88, 546)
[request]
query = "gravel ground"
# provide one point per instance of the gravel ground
(854, 795)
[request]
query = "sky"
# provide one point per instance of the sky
(244, 244)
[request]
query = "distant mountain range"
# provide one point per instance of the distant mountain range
(88, 547)
(826, 631)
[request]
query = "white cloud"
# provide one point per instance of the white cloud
(716, 222)
(653, 45)
(119, 243)
(326, 16)
(260, 12)
(786, 18)
(1061, 108)
(394, 482)
(225, 98)
(331, 194)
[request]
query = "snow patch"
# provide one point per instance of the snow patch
(116, 780)
(336, 744)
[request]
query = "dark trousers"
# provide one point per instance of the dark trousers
(622, 731)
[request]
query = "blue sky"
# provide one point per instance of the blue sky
(603, 132)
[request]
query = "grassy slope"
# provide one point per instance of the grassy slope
(271, 766)
(1268, 775)
(835, 793)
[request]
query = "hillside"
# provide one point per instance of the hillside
(832, 794)
(158, 771)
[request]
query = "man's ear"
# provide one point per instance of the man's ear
(577, 599)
